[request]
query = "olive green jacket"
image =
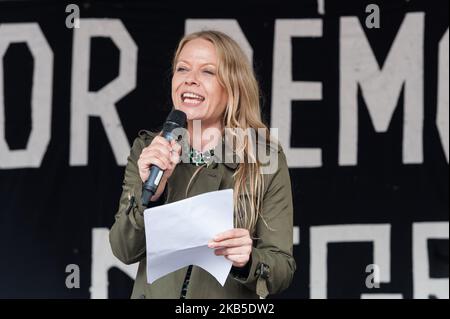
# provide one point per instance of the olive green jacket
(272, 249)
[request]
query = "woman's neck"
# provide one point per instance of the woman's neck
(204, 136)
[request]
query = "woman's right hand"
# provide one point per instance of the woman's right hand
(162, 153)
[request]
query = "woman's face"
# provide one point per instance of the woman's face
(195, 86)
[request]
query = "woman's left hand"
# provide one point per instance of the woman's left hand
(235, 244)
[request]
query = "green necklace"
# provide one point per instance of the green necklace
(200, 158)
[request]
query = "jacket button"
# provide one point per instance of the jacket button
(142, 297)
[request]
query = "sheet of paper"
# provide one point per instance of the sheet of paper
(177, 234)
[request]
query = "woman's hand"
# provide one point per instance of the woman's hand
(162, 153)
(235, 244)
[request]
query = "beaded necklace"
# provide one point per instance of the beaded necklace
(200, 158)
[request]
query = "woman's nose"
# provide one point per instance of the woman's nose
(191, 78)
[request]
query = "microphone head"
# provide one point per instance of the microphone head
(177, 117)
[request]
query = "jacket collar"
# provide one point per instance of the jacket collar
(227, 149)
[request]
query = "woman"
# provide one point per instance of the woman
(213, 82)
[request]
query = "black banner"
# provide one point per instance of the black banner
(358, 91)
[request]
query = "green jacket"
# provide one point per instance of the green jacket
(272, 250)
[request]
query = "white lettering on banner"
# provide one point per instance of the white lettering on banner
(402, 71)
(285, 90)
(381, 296)
(442, 116)
(41, 95)
(424, 286)
(321, 236)
(101, 103)
(228, 26)
(102, 261)
(321, 7)
(296, 235)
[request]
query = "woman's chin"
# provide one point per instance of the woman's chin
(193, 118)
(191, 113)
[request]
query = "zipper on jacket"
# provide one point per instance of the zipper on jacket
(187, 278)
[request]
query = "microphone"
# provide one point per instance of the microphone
(176, 119)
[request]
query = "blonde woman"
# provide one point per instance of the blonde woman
(213, 82)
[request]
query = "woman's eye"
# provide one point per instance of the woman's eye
(209, 72)
(180, 69)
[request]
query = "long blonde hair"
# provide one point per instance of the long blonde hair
(236, 75)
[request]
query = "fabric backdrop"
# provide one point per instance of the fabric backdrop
(358, 93)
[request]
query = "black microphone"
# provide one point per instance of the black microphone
(176, 119)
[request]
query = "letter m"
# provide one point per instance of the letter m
(402, 70)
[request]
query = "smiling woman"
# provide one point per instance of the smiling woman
(213, 82)
(196, 89)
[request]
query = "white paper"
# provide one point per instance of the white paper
(177, 234)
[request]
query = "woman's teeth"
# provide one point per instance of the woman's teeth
(192, 98)
(192, 101)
